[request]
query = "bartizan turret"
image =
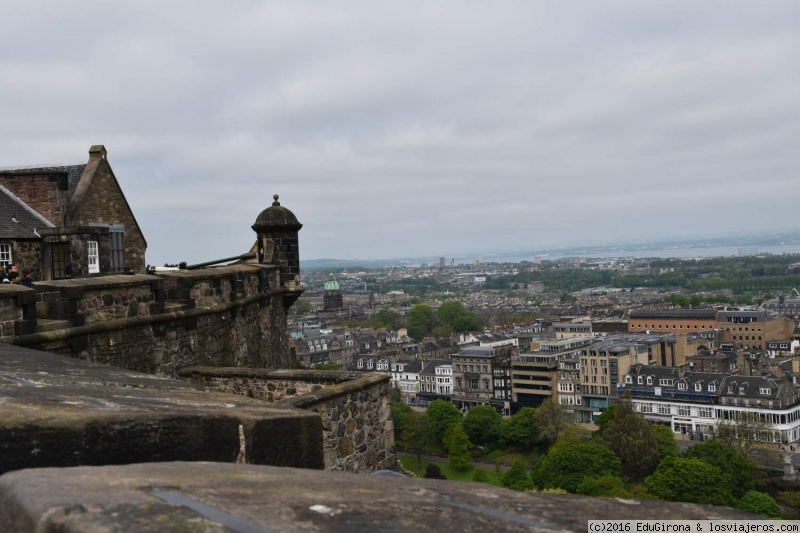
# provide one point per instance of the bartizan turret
(277, 244)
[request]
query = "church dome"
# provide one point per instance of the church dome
(276, 217)
(331, 284)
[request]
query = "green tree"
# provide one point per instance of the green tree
(302, 307)
(759, 503)
(632, 440)
(665, 441)
(608, 485)
(517, 478)
(415, 434)
(480, 475)
(420, 321)
(458, 447)
(738, 471)
(432, 471)
(520, 431)
(681, 479)
(455, 317)
(570, 460)
(552, 420)
(482, 425)
(398, 411)
(602, 420)
(382, 318)
(441, 416)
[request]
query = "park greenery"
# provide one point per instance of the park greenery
(451, 317)
(627, 457)
(742, 275)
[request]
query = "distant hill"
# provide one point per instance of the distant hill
(705, 244)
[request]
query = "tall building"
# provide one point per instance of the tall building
(333, 296)
(442, 262)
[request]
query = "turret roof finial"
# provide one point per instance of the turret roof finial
(276, 202)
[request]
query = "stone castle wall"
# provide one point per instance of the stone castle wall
(357, 430)
(226, 316)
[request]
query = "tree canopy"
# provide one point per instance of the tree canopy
(455, 317)
(633, 441)
(520, 430)
(682, 479)
(482, 425)
(420, 321)
(739, 473)
(552, 420)
(458, 446)
(570, 460)
(441, 416)
(759, 503)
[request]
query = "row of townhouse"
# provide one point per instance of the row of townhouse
(697, 402)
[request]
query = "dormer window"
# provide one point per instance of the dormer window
(682, 385)
(649, 380)
(712, 387)
(629, 380)
(765, 391)
(698, 387)
(640, 380)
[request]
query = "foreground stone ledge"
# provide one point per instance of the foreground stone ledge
(58, 411)
(213, 496)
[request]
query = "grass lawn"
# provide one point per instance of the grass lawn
(449, 471)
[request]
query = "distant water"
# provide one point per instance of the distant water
(716, 251)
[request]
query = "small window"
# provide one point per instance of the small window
(93, 261)
(640, 380)
(649, 380)
(682, 386)
(698, 387)
(5, 254)
(765, 391)
(628, 380)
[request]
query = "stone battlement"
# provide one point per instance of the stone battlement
(225, 316)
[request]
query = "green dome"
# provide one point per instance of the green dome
(332, 284)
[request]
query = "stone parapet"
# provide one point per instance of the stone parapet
(358, 435)
(225, 497)
(225, 316)
(57, 411)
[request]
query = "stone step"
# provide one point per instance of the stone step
(50, 324)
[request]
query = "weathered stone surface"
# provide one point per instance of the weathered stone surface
(349, 403)
(58, 411)
(211, 496)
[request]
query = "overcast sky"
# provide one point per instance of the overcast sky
(414, 128)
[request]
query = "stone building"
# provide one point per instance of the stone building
(68, 221)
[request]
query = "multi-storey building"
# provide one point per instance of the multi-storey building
(576, 328)
(608, 358)
(405, 376)
(430, 381)
(671, 321)
(568, 381)
(696, 403)
(533, 376)
(752, 328)
(473, 375)
(444, 379)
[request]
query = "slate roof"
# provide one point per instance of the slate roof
(430, 368)
(476, 351)
(73, 172)
(11, 209)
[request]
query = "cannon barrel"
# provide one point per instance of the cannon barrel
(248, 255)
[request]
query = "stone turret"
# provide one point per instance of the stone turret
(277, 244)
